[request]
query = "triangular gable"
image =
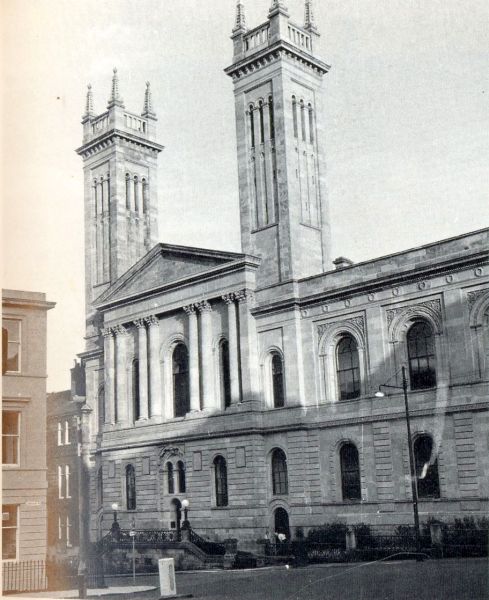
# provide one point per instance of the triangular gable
(163, 264)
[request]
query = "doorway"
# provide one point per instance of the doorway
(176, 515)
(281, 520)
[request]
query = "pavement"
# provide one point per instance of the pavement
(447, 579)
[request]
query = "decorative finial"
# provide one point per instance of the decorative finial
(115, 97)
(278, 4)
(240, 17)
(89, 103)
(309, 14)
(148, 102)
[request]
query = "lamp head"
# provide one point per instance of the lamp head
(185, 503)
(379, 394)
(115, 506)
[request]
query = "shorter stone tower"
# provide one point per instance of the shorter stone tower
(119, 153)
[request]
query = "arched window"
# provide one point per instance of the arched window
(311, 124)
(170, 478)
(303, 121)
(277, 380)
(100, 487)
(101, 407)
(262, 124)
(135, 389)
(128, 191)
(136, 193)
(225, 373)
(348, 368)
(421, 355)
(181, 399)
(221, 481)
(130, 488)
(271, 117)
(485, 329)
(252, 127)
(294, 115)
(350, 472)
(280, 485)
(182, 486)
(145, 196)
(426, 468)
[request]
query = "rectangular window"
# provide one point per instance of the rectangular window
(60, 482)
(67, 432)
(60, 529)
(10, 520)
(67, 481)
(60, 434)
(11, 334)
(68, 532)
(10, 437)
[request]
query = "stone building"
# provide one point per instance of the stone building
(245, 382)
(23, 425)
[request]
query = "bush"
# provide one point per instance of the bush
(364, 537)
(330, 533)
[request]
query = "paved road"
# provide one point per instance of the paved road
(431, 580)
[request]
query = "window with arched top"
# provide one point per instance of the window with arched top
(135, 390)
(100, 487)
(170, 478)
(225, 373)
(181, 387)
(101, 407)
(421, 356)
(485, 329)
(350, 472)
(221, 481)
(348, 368)
(252, 126)
(294, 116)
(278, 392)
(303, 121)
(280, 484)
(311, 123)
(145, 196)
(262, 124)
(426, 463)
(128, 191)
(271, 116)
(130, 488)
(182, 485)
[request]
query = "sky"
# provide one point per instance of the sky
(406, 137)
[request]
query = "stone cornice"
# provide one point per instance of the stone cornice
(279, 49)
(109, 137)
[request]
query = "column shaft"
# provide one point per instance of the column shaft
(208, 396)
(248, 348)
(193, 340)
(109, 376)
(155, 393)
(143, 369)
(121, 376)
(233, 348)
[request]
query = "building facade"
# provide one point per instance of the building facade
(245, 382)
(24, 482)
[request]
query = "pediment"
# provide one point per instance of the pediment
(163, 264)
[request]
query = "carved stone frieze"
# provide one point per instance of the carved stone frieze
(474, 295)
(356, 323)
(170, 452)
(433, 306)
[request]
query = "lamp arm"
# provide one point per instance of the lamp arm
(395, 387)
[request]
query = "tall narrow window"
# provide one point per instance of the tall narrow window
(421, 355)
(136, 193)
(221, 481)
(9, 531)
(60, 434)
(171, 478)
(130, 488)
(135, 389)
(350, 472)
(278, 380)
(68, 532)
(101, 407)
(347, 368)
(303, 121)
(67, 432)
(145, 197)
(311, 124)
(67, 481)
(426, 468)
(60, 528)
(262, 124)
(182, 486)
(252, 127)
(100, 487)
(225, 373)
(128, 191)
(294, 116)
(271, 116)
(280, 485)
(10, 437)
(12, 328)
(60, 482)
(181, 397)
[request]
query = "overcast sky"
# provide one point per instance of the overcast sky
(406, 138)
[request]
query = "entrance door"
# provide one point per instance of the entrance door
(282, 522)
(175, 514)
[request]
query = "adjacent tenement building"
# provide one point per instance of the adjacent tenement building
(245, 382)
(24, 481)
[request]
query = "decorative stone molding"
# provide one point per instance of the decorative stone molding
(478, 301)
(203, 306)
(474, 295)
(108, 332)
(229, 298)
(140, 323)
(189, 309)
(352, 325)
(170, 452)
(245, 296)
(430, 309)
(152, 321)
(120, 330)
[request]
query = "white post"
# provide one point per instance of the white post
(168, 587)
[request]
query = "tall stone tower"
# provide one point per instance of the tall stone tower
(119, 154)
(277, 85)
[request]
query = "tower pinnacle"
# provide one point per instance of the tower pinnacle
(89, 102)
(309, 22)
(148, 102)
(115, 98)
(240, 17)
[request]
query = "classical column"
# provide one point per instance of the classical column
(193, 340)
(233, 348)
(121, 375)
(208, 396)
(248, 347)
(155, 391)
(143, 369)
(109, 394)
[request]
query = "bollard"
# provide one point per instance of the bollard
(168, 586)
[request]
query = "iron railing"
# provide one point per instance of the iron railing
(212, 548)
(24, 576)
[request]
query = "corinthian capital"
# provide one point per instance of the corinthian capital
(204, 306)
(140, 323)
(245, 296)
(189, 309)
(152, 321)
(107, 332)
(229, 298)
(120, 330)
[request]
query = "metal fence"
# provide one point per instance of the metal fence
(24, 576)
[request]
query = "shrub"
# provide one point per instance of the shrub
(330, 533)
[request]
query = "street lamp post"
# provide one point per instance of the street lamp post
(115, 528)
(185, 505)
(412, 468)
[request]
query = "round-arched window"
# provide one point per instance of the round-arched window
(421, 356)
(348, 368)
